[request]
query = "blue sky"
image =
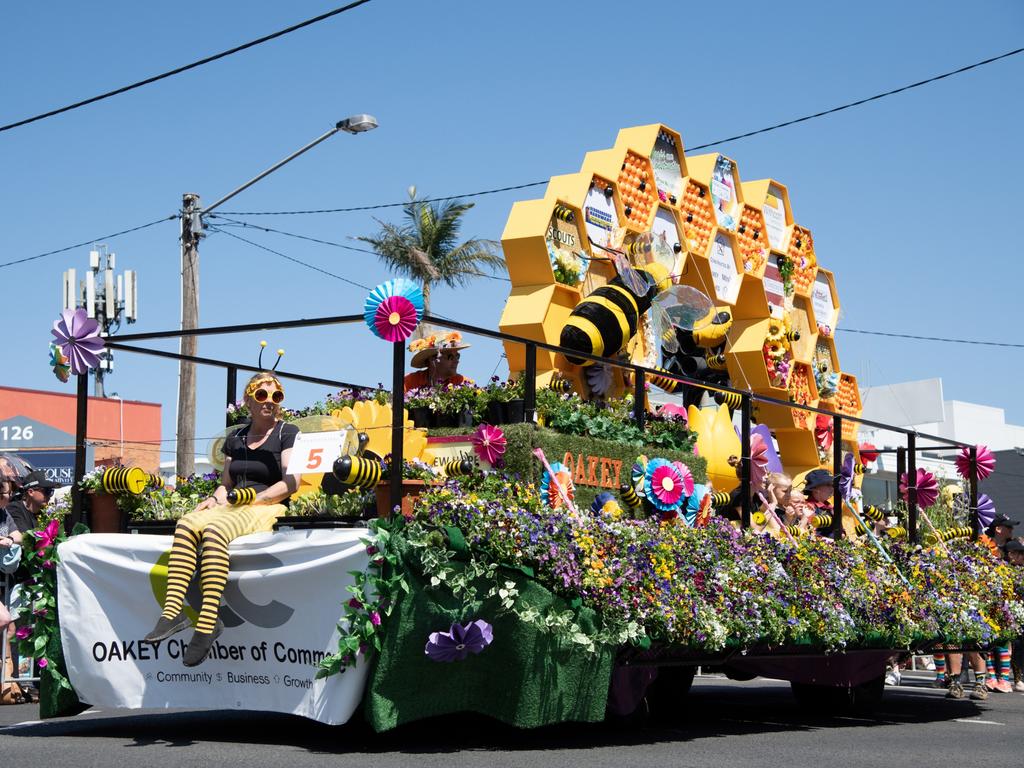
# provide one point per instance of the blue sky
(913, 201)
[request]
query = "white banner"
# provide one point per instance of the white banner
(281, 608)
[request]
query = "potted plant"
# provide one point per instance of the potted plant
(420, 403)
(416, 475)
(157, 511)
(104, 515)
(330, 510)
(503, 402)
(454, 404)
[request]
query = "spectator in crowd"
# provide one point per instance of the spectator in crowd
(1014, 550)
(954, 689)
(35, 493)
(438, 356)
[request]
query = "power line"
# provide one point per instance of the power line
(179, 70)
(89, 241)
(775, 127)
(933, 338)
(262, 228)
(291, 258)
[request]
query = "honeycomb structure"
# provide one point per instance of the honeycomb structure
(737, 242)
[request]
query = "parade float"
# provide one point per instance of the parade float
(567, 547)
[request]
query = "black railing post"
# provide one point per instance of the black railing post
(530, 383)
(901, 468)
(81, 429)
(232, 392)
(397, 424)
(912, 487)
(973, 480)
(639, 398)
(746, 415)
(836, 528)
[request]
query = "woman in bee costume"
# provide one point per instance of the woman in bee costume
(248, 499)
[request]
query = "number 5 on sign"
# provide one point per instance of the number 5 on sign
(315, 452)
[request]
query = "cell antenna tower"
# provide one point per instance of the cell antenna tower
(107, 297)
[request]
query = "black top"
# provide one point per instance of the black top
(23, 519)
(258, 468)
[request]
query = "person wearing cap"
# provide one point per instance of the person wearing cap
(818, 489)
(437, 355)
(1000, 530)
(35, 494)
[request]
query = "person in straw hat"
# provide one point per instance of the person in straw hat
(437, 355)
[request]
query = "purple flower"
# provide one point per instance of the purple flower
(375, 618)
(43, 663)
(23, 632)
(372, 550)
(459, 641)
(355, 602)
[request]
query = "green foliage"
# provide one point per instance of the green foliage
(169, 503)
(319, 504)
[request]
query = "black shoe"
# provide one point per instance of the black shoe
(200, 644)
(166, 627)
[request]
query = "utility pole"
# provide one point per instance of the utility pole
(191, 233)
(107, 297)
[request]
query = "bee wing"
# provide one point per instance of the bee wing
(666, 328)
(631, 278)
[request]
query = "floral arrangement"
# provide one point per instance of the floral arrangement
(370, 602)
(38, 633)
(170, 503)
(568, 267)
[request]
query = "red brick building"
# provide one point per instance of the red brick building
(40, 427)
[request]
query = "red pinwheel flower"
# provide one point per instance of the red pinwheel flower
(823, 431)
(868, 453)
(927, 488)
(489, 443)
(986, 462)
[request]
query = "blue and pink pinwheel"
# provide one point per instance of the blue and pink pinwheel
(394, 309)
(78, 337)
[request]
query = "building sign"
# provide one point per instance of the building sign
(453, 447)
(21, 433)
(595, 471)
(599, 212)
(774, 211)
(774, 290)
(821, 300)
(668, 176)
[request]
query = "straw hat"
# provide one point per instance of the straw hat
(426, 349)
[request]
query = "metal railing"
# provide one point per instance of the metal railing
(640, 377)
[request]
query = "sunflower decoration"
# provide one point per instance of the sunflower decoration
(664, 486)
(776, 331)
(558, 476)
(776, 350)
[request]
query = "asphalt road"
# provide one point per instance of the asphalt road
(721, 724)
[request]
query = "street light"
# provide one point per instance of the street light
(192, 223)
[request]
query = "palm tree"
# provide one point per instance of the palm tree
(426, 246)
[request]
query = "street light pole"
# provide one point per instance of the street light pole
(192, 225)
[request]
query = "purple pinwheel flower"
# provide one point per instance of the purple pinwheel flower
(846, 477)
(459, 641)
(78, 336)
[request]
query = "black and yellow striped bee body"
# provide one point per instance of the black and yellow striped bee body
(957, 532)
(874, 513)
(239, 497)
(563, 213)
(821, 521)
(665, 383)
(721, 499)
(715, 360)
(730, 400)
(629, 496)
(458, 468)
(603, 322)
(357, 471)
(562, 386)
(896, 532)
(125, 480)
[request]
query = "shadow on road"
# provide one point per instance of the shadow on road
(712, 709)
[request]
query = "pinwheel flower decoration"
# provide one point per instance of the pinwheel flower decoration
(663, 485)
(846, 477)
(394, 309)
(758, 460)
(78, 336)
(599, 379)
(823, 431)
(489, 443)
(868, 453)
(686, 475)
(459, 641)
(927, 488)
(549, 494)
(697, 512)
(637, 475)
(986, 510)
(61, 369)
(986, 462)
